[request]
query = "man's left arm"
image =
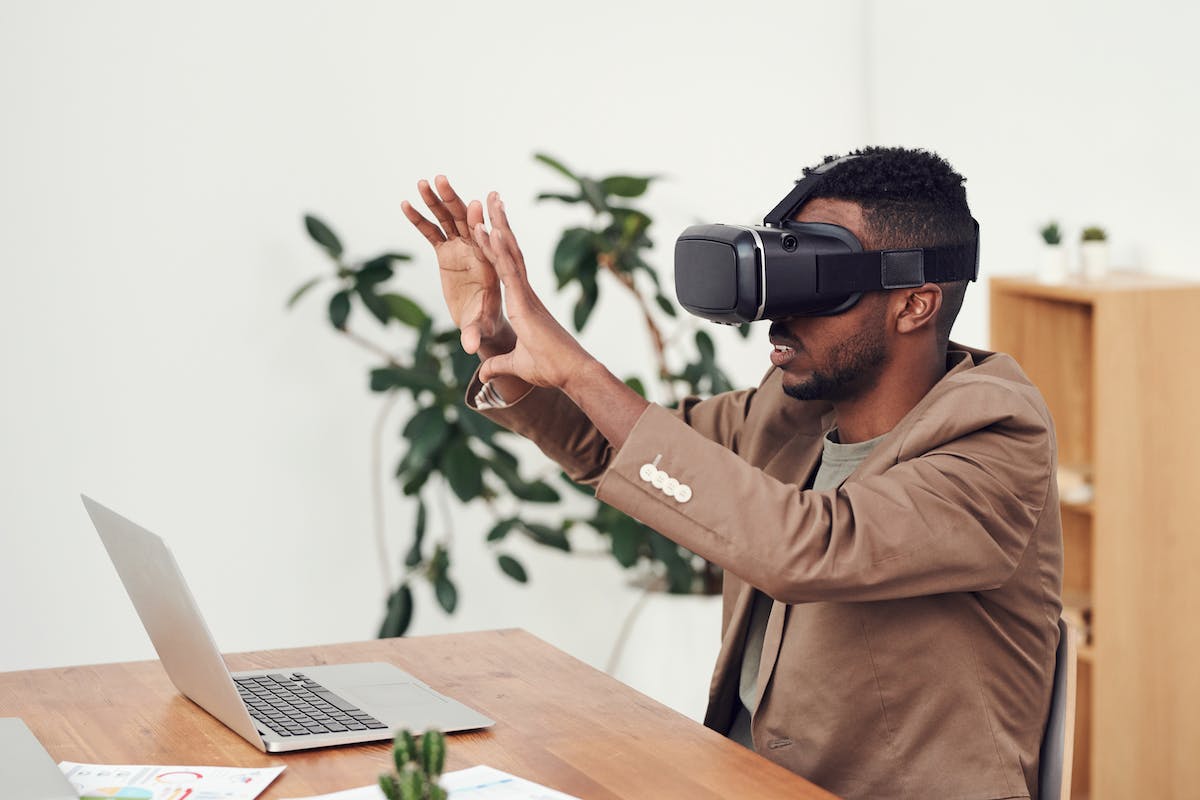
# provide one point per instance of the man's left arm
(955, 517)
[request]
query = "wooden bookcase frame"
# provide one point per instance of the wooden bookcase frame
(1118, 362)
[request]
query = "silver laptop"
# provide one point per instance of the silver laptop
(275, 710)
(29, 771)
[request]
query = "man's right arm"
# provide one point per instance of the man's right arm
(560, 429)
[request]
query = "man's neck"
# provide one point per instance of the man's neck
(875, 412)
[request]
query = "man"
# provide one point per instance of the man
(883, 504)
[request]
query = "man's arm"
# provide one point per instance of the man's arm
(955, 517)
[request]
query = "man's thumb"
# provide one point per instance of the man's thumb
(496, 365)
(470, 338)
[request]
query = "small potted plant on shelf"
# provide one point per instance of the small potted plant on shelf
(1093, 253)
(1054, 256)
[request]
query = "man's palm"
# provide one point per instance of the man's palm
(469, 282)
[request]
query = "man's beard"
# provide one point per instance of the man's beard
(853, 369)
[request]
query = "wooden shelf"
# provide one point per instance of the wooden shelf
(1118, 362)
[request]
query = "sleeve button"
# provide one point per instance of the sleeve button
(647, 472)
(683, 493)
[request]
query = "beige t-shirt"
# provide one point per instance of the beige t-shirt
(837, 462)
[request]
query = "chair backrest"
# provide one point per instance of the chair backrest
(1058, 742)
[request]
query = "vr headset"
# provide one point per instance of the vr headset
(734, 274)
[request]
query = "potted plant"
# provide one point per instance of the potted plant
(454, 454)
(1054, 257)
(418, 765)
(1093, 253)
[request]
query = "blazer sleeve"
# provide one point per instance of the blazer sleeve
(954, 512)
(553, 422)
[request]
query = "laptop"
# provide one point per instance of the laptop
(29, 771)
(276, 710)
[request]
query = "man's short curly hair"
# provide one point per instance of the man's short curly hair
(909, 198)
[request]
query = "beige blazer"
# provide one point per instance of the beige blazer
(910, 648)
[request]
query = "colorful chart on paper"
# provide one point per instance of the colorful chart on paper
(142, 782)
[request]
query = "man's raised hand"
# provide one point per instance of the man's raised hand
(545, 353)
(469, 282)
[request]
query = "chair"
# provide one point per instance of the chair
(1058, 742)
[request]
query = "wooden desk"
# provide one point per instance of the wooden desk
(558, 722)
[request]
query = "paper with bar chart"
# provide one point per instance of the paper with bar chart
(141, 782)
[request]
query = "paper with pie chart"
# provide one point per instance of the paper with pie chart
(141, 782)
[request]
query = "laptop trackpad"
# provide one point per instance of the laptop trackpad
(394, 697)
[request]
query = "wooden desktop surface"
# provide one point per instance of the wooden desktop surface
(558, 722)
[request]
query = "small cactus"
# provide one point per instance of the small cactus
(418, 764)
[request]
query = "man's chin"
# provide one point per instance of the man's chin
(803, 388)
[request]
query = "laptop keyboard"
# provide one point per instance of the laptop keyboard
(296, 705)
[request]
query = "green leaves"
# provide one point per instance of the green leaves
(399, 613)
(545, 535)
(360, 280)
(501, 529)
(625, 185)
(339, 309)
(303, 290)
(504, 465)
(447, 594)
(468, 450)
(443, 587)
(405, 310)
(385, 379)
(513, 569)
(705, 376)
(323, 235)
(414, 551)
(462, 469)
(555, 165)
(576, 250)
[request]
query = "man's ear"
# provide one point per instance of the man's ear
(917, 309)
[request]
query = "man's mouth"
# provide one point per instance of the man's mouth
(781, 354)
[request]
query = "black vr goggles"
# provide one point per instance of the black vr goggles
(734, 274)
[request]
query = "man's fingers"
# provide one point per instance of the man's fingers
(494, 249)
(454, 204)
(470, 337)
(497, 365)
(500, 224)
(484, 243)
(427, 228)
(444, 217)
(474, 214)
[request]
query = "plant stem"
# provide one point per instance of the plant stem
(607, 261)
(444, 503)
(367, 344)
(618, 650)
(377, 489)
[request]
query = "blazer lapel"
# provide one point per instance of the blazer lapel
(771, 642)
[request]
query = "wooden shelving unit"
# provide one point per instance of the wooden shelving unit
(1118, 361)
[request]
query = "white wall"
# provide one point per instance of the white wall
(1085, 112)
(155, 162)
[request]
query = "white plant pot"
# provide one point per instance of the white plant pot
(672, 646)
(1054, 264)
(1093, 257)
